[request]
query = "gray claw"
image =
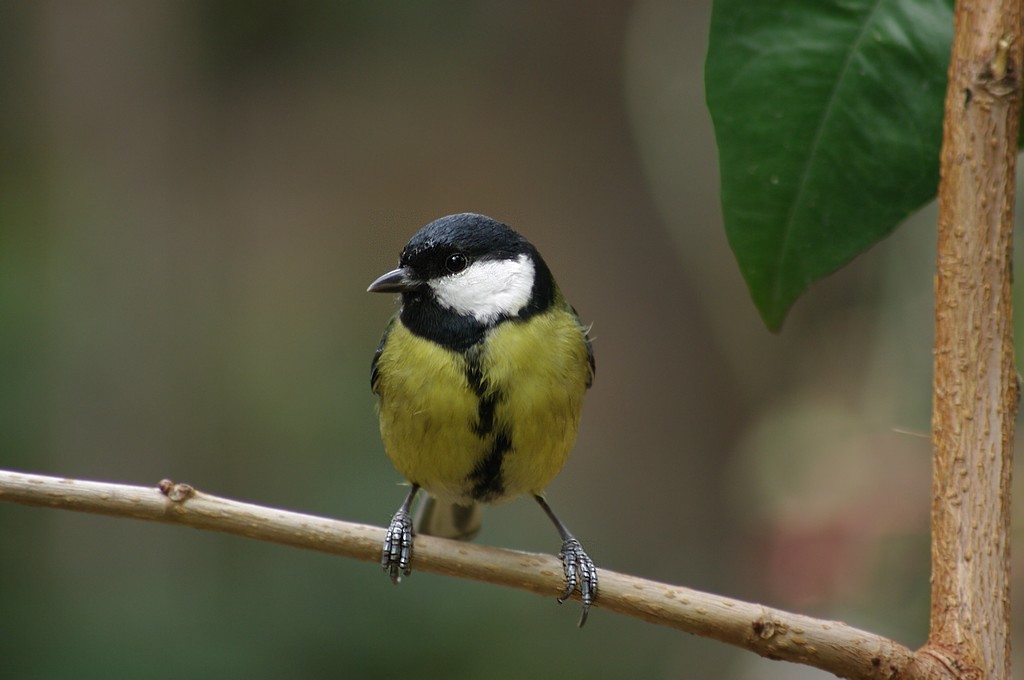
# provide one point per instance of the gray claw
(396, 557)
(580, 574)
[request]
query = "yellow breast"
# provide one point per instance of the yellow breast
(493, 423)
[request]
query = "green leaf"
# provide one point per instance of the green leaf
(828, 119)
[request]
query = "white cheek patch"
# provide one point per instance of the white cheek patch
(488, 289)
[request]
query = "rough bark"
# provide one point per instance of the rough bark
(975, 391)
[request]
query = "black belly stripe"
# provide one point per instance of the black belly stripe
(486, 477)
(485, 414)
(486, 403)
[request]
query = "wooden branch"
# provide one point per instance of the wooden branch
(975, 399)
(829, 645)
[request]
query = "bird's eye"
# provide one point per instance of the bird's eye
(456, 262)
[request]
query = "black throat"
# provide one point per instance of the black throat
(423, 316)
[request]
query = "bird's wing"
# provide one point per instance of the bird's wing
(590, 346)
(376, 355)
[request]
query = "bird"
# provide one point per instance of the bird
(479, 378)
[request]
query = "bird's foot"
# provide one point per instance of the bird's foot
(396, 557)
(580, 575)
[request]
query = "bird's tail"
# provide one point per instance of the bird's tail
(448, 520)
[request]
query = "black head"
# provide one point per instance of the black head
(474, 236)
(464, 273)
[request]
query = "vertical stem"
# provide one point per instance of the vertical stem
(975, 398)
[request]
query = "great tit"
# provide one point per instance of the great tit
(480, 379)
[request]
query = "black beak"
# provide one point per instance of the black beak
(396, 281)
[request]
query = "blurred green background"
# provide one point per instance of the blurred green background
(193, 199)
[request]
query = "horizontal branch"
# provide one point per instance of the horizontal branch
(828, 645)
